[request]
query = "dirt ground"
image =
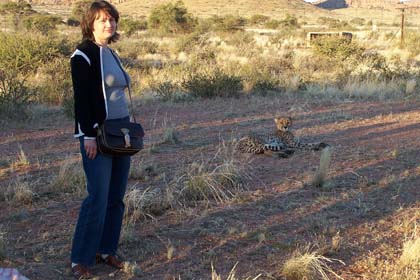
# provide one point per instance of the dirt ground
(362, 218)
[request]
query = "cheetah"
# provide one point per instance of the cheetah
(267, 144)
(283, 133)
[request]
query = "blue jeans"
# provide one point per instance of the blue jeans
(100, 218)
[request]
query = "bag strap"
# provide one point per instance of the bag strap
(131, 100)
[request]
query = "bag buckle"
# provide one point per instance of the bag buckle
(125, 131)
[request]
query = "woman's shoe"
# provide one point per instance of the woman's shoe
(114, 262)
(110, 260)
(81, 272)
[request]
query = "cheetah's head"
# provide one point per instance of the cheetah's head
(283, 123)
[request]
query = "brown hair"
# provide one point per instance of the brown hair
(92, 13)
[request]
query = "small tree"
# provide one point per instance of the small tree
(171, 18)
(78, 10)
(16, 8)
(131, 26)
(44, 24)
(20, 55)
(337, 48)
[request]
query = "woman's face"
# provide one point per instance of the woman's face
(104, 27)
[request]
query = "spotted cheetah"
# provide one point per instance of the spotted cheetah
(283, 133)
(267, 144)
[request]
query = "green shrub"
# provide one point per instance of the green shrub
(171, 18)
(131, 50)
(212, 84)
(262, 75)
(54, 82)
(187, 42)
(358, 21)
(163, 87)
(333, 23)
(131, 26)
(20, 56)
(412, 43)
(17, 8)
(68, 106)
(78, 9)
(240, 38)
(273, 24)
(227, 23)
(290, 22)
(71, 21)
(44, 24)
(337, 48)
(259, 19)
(263, 84)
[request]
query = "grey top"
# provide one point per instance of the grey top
(115, 84)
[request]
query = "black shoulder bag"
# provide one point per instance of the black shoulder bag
(120, 138)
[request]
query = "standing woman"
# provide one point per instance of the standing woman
(99, 84)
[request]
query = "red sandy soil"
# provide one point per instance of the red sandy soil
(374, 181)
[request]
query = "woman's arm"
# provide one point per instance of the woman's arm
(82, 88)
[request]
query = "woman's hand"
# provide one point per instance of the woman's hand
(90, 148)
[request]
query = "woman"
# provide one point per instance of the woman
(99, 84)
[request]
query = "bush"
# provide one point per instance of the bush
(333, 23)
(71, 21)
(259, 19)
(131, 26)
(227, 23)
(188, 42)
(212, 84)
(20, 55)
(264, 74)
(68, 106)
(17, 8)
(132, 51)
(53, 82)
(171, 18)
(358, 21)
(273, 24)
(79, 8)
(290, 22)
(44, 24)
(337, 48)
(240, 39)
(412, 43)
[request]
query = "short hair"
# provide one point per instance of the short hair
(92, 13)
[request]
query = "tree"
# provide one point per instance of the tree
(171, 18)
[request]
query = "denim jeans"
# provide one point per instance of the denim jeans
(100, 218)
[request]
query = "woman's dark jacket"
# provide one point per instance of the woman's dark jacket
(89, 88)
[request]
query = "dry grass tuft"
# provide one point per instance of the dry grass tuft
(143, 169)
(320, 178)
(410, 257)
(410, 87)
(19, 192)
(169, 132)
(218, 178)
(231, 275)
(144, 203)
(309, 265)
(132, 268)
(21, 160)
(70, 178)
